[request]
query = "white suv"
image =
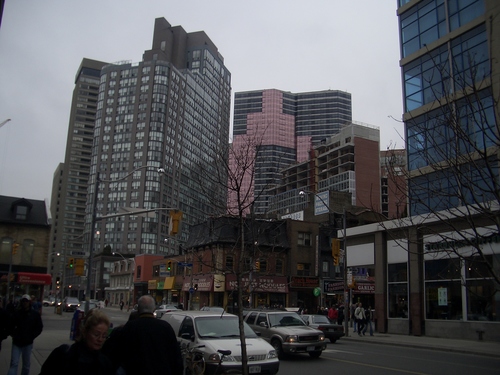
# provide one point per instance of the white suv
(209, 332)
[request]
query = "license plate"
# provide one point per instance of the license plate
(310, 348)
(254, 370)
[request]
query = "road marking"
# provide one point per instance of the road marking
(375, 366)
(341, 351)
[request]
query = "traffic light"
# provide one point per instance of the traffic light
(336, 251)
(15, 246)
(175, 219)
(58, 280)
(71, 262)
(257, 265)
(169, 265)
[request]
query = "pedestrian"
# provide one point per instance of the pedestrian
(352, 317)
(121, 305)
(85, 356)
(26, 326)
(333, 314)
(369, 317)
(36, 305)
(340, 319)
(359, 315)
(4, 323)
(145, 345)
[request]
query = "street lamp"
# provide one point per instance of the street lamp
(131, 287)
(347, 298)
(93, 222)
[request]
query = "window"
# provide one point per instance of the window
(229, 262)
(21, 212)
(397, 285)
(279, 267)
(139, 270)
(443, 296)
(304, 239)
(303, 269)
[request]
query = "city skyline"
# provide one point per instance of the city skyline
(38, 80)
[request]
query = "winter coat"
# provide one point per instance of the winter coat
(26, 326)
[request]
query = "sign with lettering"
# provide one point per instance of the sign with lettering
(269, 284)
(304, 282)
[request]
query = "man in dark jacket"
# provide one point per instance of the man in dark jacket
(26, 326)
(145, 345)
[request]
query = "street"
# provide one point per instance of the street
(355, 357)
(352, 355)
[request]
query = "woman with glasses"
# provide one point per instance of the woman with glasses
(84, 356)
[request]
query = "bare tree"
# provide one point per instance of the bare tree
(453, 190)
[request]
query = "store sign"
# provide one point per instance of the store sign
(264, 284)
(333, 286)
(304, 282)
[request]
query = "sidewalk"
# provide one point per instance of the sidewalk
(49, 340)
(487, 348)
(42, 347)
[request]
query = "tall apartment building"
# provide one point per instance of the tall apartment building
(285, 126)
(159, 122)
(450, 70)
(345, 162)
(70, 182)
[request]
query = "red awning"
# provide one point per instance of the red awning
(34, 278)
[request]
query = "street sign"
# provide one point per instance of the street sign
(191, 290)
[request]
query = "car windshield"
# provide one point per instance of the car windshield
(320, 319)
(216, 327)
(285, 320)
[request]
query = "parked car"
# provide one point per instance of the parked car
(333, 332)
(286, 332)
(209, 332)
(216, 309)
(70, 304)
(162, 309)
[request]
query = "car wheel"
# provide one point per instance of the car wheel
(333, 340)
(315, 354)
(278, 347)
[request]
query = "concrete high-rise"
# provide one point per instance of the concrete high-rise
(168, 113)
(70, 183)
(284, 127)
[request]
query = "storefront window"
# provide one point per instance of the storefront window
(398, 290)
(483, 299)
(443, 289)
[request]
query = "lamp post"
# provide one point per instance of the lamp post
(131, 286)
(94, 219)
(344, 257)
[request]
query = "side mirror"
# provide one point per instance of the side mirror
(263, 324)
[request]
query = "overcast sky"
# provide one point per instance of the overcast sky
(290, 45)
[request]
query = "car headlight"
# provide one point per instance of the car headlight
(321, 337)
(293, 338)
(215, 357)
(272, 354)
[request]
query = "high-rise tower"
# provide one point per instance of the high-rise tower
(70, 183)
(285, 126)
(449, 62)
(158, 123)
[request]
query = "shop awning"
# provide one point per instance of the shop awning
(34, 278)
(169, 282)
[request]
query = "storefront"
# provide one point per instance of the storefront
(26, 283)
(258, 291)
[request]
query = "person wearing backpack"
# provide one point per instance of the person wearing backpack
(368, 315)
